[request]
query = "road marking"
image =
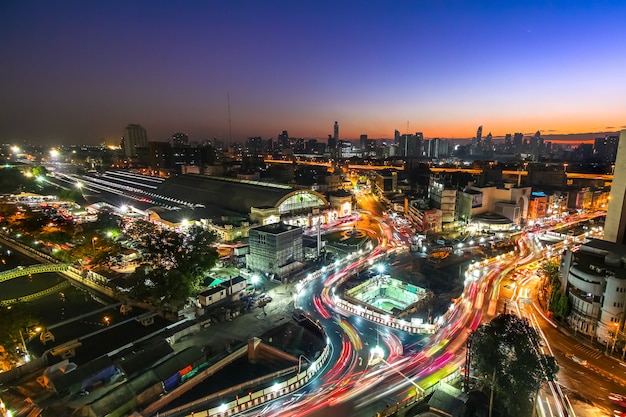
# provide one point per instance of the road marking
(594, 353)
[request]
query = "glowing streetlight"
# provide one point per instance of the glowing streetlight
(93, 242)
(54, 153)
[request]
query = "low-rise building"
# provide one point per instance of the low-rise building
(275, 249)
(594, 277)
(212, 295)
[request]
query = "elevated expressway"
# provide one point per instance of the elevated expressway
(474, 171)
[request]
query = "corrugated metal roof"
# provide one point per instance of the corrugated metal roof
(230, 194)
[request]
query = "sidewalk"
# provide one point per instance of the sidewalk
(591, 344)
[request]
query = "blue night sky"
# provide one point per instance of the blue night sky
(79, 71)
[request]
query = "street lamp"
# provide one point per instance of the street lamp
(93, 242)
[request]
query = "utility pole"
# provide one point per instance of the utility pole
(468, 362)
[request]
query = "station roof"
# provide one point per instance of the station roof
(227, 193)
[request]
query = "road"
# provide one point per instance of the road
(586, 387)
(361, 382)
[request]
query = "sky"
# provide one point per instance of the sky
(77, 72)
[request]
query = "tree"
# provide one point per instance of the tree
(173, 263)
(14, 320)
(507, 362)
(552, 288)
(39, 171)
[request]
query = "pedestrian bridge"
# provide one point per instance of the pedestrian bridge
(20, 271)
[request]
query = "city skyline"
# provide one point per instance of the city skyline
(82, 72)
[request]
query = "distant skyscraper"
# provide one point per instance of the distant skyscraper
(396, 137)
(411, 145)
(605, 149)
(479, 134)
(135, 137)
(283, 140)
(254, 145)
(615, 224)
(488, 147)
(180, 139)
(336, 132)
(363, 142)
(518, 139)
(437, 148)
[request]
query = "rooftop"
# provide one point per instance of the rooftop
(275, 228)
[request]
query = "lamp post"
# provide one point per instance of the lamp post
(93, 243)
(615, 337)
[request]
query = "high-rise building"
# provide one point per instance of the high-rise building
(488, 147)
(479, 134)
(615, 224)
(518, 139)
(180, 139)
(336, 132)
(254, 145)
(283, 140)
(508, 143)
(363, 142)
(411, 145)
(605, 149)
(438, 148)
(135, 137)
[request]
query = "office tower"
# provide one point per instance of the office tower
(396, 137)
(283, 140)
(476, 147)
(363, 142)
(488, 147)
(254, 145)
(411, 145)
(517, 142)
(332, 144)
(159, 155)
(135, 137)
(438, 148)
(336, 133)
(615, 224)
(508, 143)
(180, 139)
(605, 149)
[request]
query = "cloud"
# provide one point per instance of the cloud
(610, 127)
(549, 130)
(623, 127)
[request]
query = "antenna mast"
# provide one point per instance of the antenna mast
(230, 127)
